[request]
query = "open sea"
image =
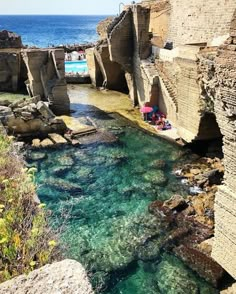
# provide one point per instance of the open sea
(47, 30)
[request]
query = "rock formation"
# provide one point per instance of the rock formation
(10, 40)
(30, 117)
(67, 276)
(41, 71)
(173, 55)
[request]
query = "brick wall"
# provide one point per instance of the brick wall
(199, 21)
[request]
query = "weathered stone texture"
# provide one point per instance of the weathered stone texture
(64, 277)
(224, 247)
(199, 21)
(102, 27)
(9, 70)
(94, 68)
(10, 40)
(120, 40)
(46, 77)
(112, 72)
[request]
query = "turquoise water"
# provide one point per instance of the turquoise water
(100, 193)
(79, 66)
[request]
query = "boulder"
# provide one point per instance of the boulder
(200, 262)
(44, 110)
(46, 143)
(10, 40)
(176, 202)
(5, 111)
(67, 276)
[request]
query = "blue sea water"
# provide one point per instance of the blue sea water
(79, 66)
(45, 30)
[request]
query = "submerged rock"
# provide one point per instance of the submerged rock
(158, 164)
(156, 177)
(172, 279)
(37, 155)
(63, 185)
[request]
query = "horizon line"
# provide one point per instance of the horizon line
(34, 14)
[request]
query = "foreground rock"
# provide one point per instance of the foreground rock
(30, 117)
(64, 277)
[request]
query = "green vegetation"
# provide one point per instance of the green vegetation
(12, 97)
(26, 242)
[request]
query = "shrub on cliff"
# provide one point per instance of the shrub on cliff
(26, 242)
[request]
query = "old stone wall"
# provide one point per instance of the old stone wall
(159, 21)
(9, 70)
(224, 247)
(120, 40)
(94, 68)
(200, 21)
(45, 70)
(112, 72)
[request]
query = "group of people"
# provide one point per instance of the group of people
(158, 119)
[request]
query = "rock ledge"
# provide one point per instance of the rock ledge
(64, 277)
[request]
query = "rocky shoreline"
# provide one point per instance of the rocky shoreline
(190, 220)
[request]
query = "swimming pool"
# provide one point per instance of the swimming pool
(79, 66)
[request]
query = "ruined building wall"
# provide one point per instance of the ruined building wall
(9, 70)
(224, 247)
(120, 41)
(45, 69)
(199, 21)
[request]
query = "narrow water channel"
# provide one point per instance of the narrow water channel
(101, 194)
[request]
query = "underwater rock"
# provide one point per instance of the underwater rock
(35, 155)
(200, 262)
(150, 250)
(63, 185)
(60, 170)
(66, 160)
(176, 202)
(156, 177)
(158, 164)
(172, 278)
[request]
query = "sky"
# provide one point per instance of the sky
(99, 7)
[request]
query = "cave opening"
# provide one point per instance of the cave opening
(209, 141)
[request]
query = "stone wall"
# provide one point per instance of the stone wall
(200, 21)
(9, 70)
(93, 68)
(120, 41)
(224, 247)
(112, 72)
(45, 70)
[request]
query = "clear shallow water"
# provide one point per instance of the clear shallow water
(76, 66)
(103, 191)
(47, 30)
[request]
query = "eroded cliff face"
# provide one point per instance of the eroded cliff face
(224, 247)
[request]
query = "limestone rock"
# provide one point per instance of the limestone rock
(36, 142)
(5, 111)
(65, 277)
(10, 40)
(176, 202)
(57, 139)
(44, 110)
(46, 143)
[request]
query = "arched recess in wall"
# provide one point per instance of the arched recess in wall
(209, 140)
